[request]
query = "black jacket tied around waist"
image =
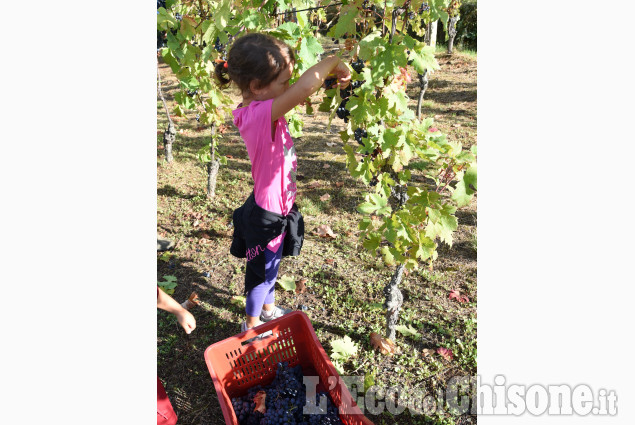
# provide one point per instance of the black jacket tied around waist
(254, 228)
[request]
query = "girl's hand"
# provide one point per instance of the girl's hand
(343, 74)
(186, 320)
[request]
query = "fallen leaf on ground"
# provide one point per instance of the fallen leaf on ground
(427, 352)
(407, 330)
(229, 157)
(329, 261)
(446, 353)
(325, 197)
(259, 399)
(238, 300)
(300, 286)
(330, 144)
(339, 184)
(343, 348)
(456, 125)
(436, 117)
(287, 283)
(314, 185)
(461, 298)
(191, 301)
(325, 231)
(384, 345)
(326, 166)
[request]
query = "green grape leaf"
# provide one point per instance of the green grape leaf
(253, 19)
(343, 348)
(166, 256)
(426, 248)
(168, 285)
(221, 14)
(442, 223)
(174, 45)
(372, 242)
(387, 63)
(466, 188)
(310, 48)
(345, 21)
(389, 259)
(368, 47)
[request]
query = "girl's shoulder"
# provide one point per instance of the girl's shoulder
(256, 110)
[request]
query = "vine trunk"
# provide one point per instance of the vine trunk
(212, 167)
(451, 33)
(394, 300)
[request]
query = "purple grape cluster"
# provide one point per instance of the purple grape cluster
(359, 134)
(342, 112)
(358, 65)
(284, 401)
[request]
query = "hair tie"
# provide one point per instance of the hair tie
(225, 65)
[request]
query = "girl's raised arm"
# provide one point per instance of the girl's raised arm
(309, 83)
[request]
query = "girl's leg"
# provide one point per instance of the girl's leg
(262, 296)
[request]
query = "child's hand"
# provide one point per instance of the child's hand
(343, 74)
(186, 320)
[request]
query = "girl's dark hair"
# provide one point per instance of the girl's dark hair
(254, 57)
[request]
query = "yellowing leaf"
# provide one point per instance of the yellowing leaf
(343, 348)
(407, 330)
(238, 300)
(287, 283)
(338, 367)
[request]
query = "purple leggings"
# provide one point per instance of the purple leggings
(264, 292)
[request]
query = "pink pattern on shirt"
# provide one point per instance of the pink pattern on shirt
(273, 163)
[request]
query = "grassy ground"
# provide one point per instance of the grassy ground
(345, 282)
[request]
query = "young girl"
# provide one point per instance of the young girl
(269, 226)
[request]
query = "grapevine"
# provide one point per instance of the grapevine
(403, 220)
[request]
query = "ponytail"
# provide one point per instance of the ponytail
(222, 75)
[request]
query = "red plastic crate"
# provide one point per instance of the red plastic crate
(236, 366)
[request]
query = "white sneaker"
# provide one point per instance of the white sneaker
(275, 313)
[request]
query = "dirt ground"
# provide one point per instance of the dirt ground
(344, 282)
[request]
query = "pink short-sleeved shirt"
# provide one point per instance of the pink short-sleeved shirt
(274, 164)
